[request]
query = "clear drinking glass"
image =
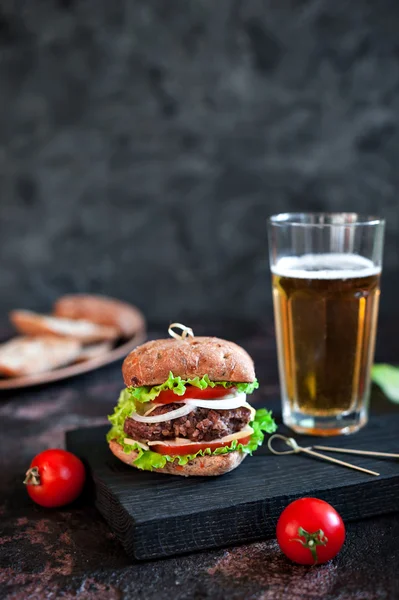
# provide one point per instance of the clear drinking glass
(326, 285)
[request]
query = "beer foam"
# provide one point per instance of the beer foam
(325, 266)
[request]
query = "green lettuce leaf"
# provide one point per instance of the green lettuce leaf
(149, 460)
(263, 423)
(387, 377)
(122, 410)
(178, 386)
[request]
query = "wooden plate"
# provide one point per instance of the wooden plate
(116, 353)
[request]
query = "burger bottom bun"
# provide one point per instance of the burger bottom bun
(203, 466)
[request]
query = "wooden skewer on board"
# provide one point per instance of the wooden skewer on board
(295, 449)
(360, 452)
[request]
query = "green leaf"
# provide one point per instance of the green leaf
(387, 377)
(123, 409)
(178, 386)
(148, 460)
(263, 423)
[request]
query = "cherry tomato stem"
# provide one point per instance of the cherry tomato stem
(310, 531)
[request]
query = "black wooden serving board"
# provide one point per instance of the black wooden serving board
(157, 515)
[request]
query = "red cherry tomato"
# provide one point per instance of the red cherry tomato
(174, 450)
(310, 531)
(218, 391)
(55, 478)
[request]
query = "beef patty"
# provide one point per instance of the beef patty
(202, 424)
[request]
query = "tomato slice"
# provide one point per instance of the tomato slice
(173, 450)
(167, 396)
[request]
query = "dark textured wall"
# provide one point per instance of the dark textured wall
(144, 143)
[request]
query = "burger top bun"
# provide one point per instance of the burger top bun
(151, 363)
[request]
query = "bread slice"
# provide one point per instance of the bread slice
(93, 351)
(29, 356)
(150, 363)
(203, 466)
(126, 318)
(30, 323)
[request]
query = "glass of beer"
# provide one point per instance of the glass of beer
(326, 271)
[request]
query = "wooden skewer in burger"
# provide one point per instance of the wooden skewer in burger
(184, 410)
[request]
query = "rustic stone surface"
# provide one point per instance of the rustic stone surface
(143, 144)
(70, 553)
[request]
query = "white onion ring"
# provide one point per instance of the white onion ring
(226, 403)
(173, 414)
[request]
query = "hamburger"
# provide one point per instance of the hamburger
(184, 410)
